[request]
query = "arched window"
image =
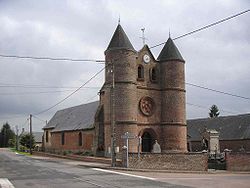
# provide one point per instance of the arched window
(153, 74)
(140, 72)
(80, 139)
(62, 138)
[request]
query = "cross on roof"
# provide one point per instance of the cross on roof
(143, 36)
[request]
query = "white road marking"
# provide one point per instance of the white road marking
(187, 178)
(121, 173)
(5, 183)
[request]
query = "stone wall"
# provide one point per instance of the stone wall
(238, 161)
(234, 145)
(169, 161)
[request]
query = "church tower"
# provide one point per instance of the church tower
(120, 89)
(173, 112)
(142, 96)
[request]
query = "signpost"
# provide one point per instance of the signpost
(126, 137)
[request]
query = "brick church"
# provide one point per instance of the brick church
(141, 95)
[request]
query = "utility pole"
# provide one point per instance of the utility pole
(112, 99)
(17, 138)
(30, 133)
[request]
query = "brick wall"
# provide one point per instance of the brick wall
(71, 141)
(238, 161)
(170, 161)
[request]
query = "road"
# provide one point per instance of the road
(22, 171)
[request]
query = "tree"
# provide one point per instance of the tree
(25, 140)
(214, 111)
(6, 135)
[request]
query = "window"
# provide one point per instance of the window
(153, 74)
(80, 139)
(62, 139)
(47, 136)
(140, 72)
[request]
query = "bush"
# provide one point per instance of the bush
(23, 148)
(88, 153)
(67, 152)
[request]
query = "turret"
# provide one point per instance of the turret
(120, 58)
(173, 116)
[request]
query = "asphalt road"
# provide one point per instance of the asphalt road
(22, 172)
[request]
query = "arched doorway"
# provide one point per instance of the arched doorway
(147, 142)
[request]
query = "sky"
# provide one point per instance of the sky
(216, 58)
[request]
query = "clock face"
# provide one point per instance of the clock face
(146, 58)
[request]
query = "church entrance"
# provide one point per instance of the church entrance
(147, 142)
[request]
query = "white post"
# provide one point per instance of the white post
(127, 163)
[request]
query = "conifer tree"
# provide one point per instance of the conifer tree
(214, 111)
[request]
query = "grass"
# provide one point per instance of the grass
(20, 152)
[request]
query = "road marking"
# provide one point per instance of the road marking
(5, 183)
(88, 181)
(121, 173)
(187, 178)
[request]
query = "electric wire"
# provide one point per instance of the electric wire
(204, 107)
(39, 119)
(205, 27)
(37, 92)
(103, 61)
(7, 85)
(61, 91)
(43, 111)
(217, 91)
(52, 58)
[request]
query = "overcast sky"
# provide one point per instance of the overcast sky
(217, 58)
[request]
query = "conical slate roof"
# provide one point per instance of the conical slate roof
(120, 40)
(170, 52)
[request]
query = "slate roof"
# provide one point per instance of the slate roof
(74, 118)
(170, 52)
(119, 40)
(229, 127)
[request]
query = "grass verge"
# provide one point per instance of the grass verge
(20, 152)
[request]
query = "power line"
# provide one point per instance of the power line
(71, 93)
(52, 58)
(91, 98)
(39, 119)
(205, 27)
(207, 108)
(103, 61)
(61, 91)
(4, 85)
(218, 91)
(38, 92)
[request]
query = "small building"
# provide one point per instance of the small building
(71, 129)
(233, 132)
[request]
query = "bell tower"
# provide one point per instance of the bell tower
(173, 96)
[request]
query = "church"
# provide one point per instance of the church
(142, 96)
